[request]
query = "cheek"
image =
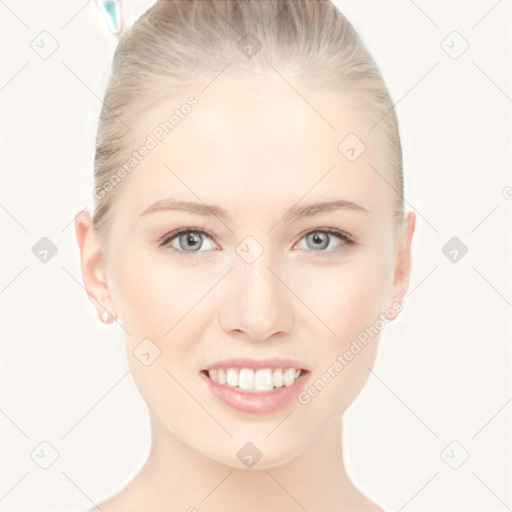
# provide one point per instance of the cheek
(361, 301)
(349, 297)
(159, 298)
(146, 295)
(355, 296)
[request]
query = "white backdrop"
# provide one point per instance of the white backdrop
(441, 388)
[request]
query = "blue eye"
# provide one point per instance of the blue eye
(187, 239)
(190, 241)
(320, 239)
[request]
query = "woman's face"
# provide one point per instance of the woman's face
(267, 284)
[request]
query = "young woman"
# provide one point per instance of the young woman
(249, 236)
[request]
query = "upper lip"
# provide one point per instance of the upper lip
(255, 364)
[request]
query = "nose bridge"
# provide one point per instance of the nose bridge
(253, 268)
(258, 304)
(259, 281)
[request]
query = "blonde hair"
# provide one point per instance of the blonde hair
(186, 43)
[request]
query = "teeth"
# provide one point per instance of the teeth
(263, 380)
(277, 378)
(246, 379)
(232, 377)
(255, 380)
(289, 377)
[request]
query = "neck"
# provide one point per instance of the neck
(177, 477)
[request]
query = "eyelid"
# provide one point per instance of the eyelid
(343, 236)
(165, 239)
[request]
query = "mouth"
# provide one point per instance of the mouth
(255, 390)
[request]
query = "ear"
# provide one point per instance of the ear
(92, 263)
(403, 261)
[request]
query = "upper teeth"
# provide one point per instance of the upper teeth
(255, 380)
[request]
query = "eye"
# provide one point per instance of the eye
(190, 241)
(320, 239)
(187, 240)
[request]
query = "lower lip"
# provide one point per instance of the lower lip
(256, 402)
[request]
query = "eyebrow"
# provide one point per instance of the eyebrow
(294, 213)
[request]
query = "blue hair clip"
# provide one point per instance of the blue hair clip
(111, 12)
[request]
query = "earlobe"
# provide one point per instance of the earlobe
(403, 263)
(92, 267)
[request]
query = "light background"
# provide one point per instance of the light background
(443, 370)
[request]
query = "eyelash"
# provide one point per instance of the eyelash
(168, 237)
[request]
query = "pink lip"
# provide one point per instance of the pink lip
(256, 402)
(273, 364)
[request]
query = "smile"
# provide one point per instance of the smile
(255, 390)
(247, 379)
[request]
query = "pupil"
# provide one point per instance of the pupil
(320, 239)
(192, 241)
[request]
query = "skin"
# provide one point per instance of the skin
(256, 148)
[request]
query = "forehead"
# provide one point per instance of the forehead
(258, 138)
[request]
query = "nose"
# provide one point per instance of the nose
(258, 305)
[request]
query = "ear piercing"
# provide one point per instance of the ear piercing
(107, 318)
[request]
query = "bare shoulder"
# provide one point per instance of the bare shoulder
(104, 507)
(107, 507)
(364, 504)
(116, 504)
(128, 502)
(125, 505)
(370, 506)
(128, 499)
